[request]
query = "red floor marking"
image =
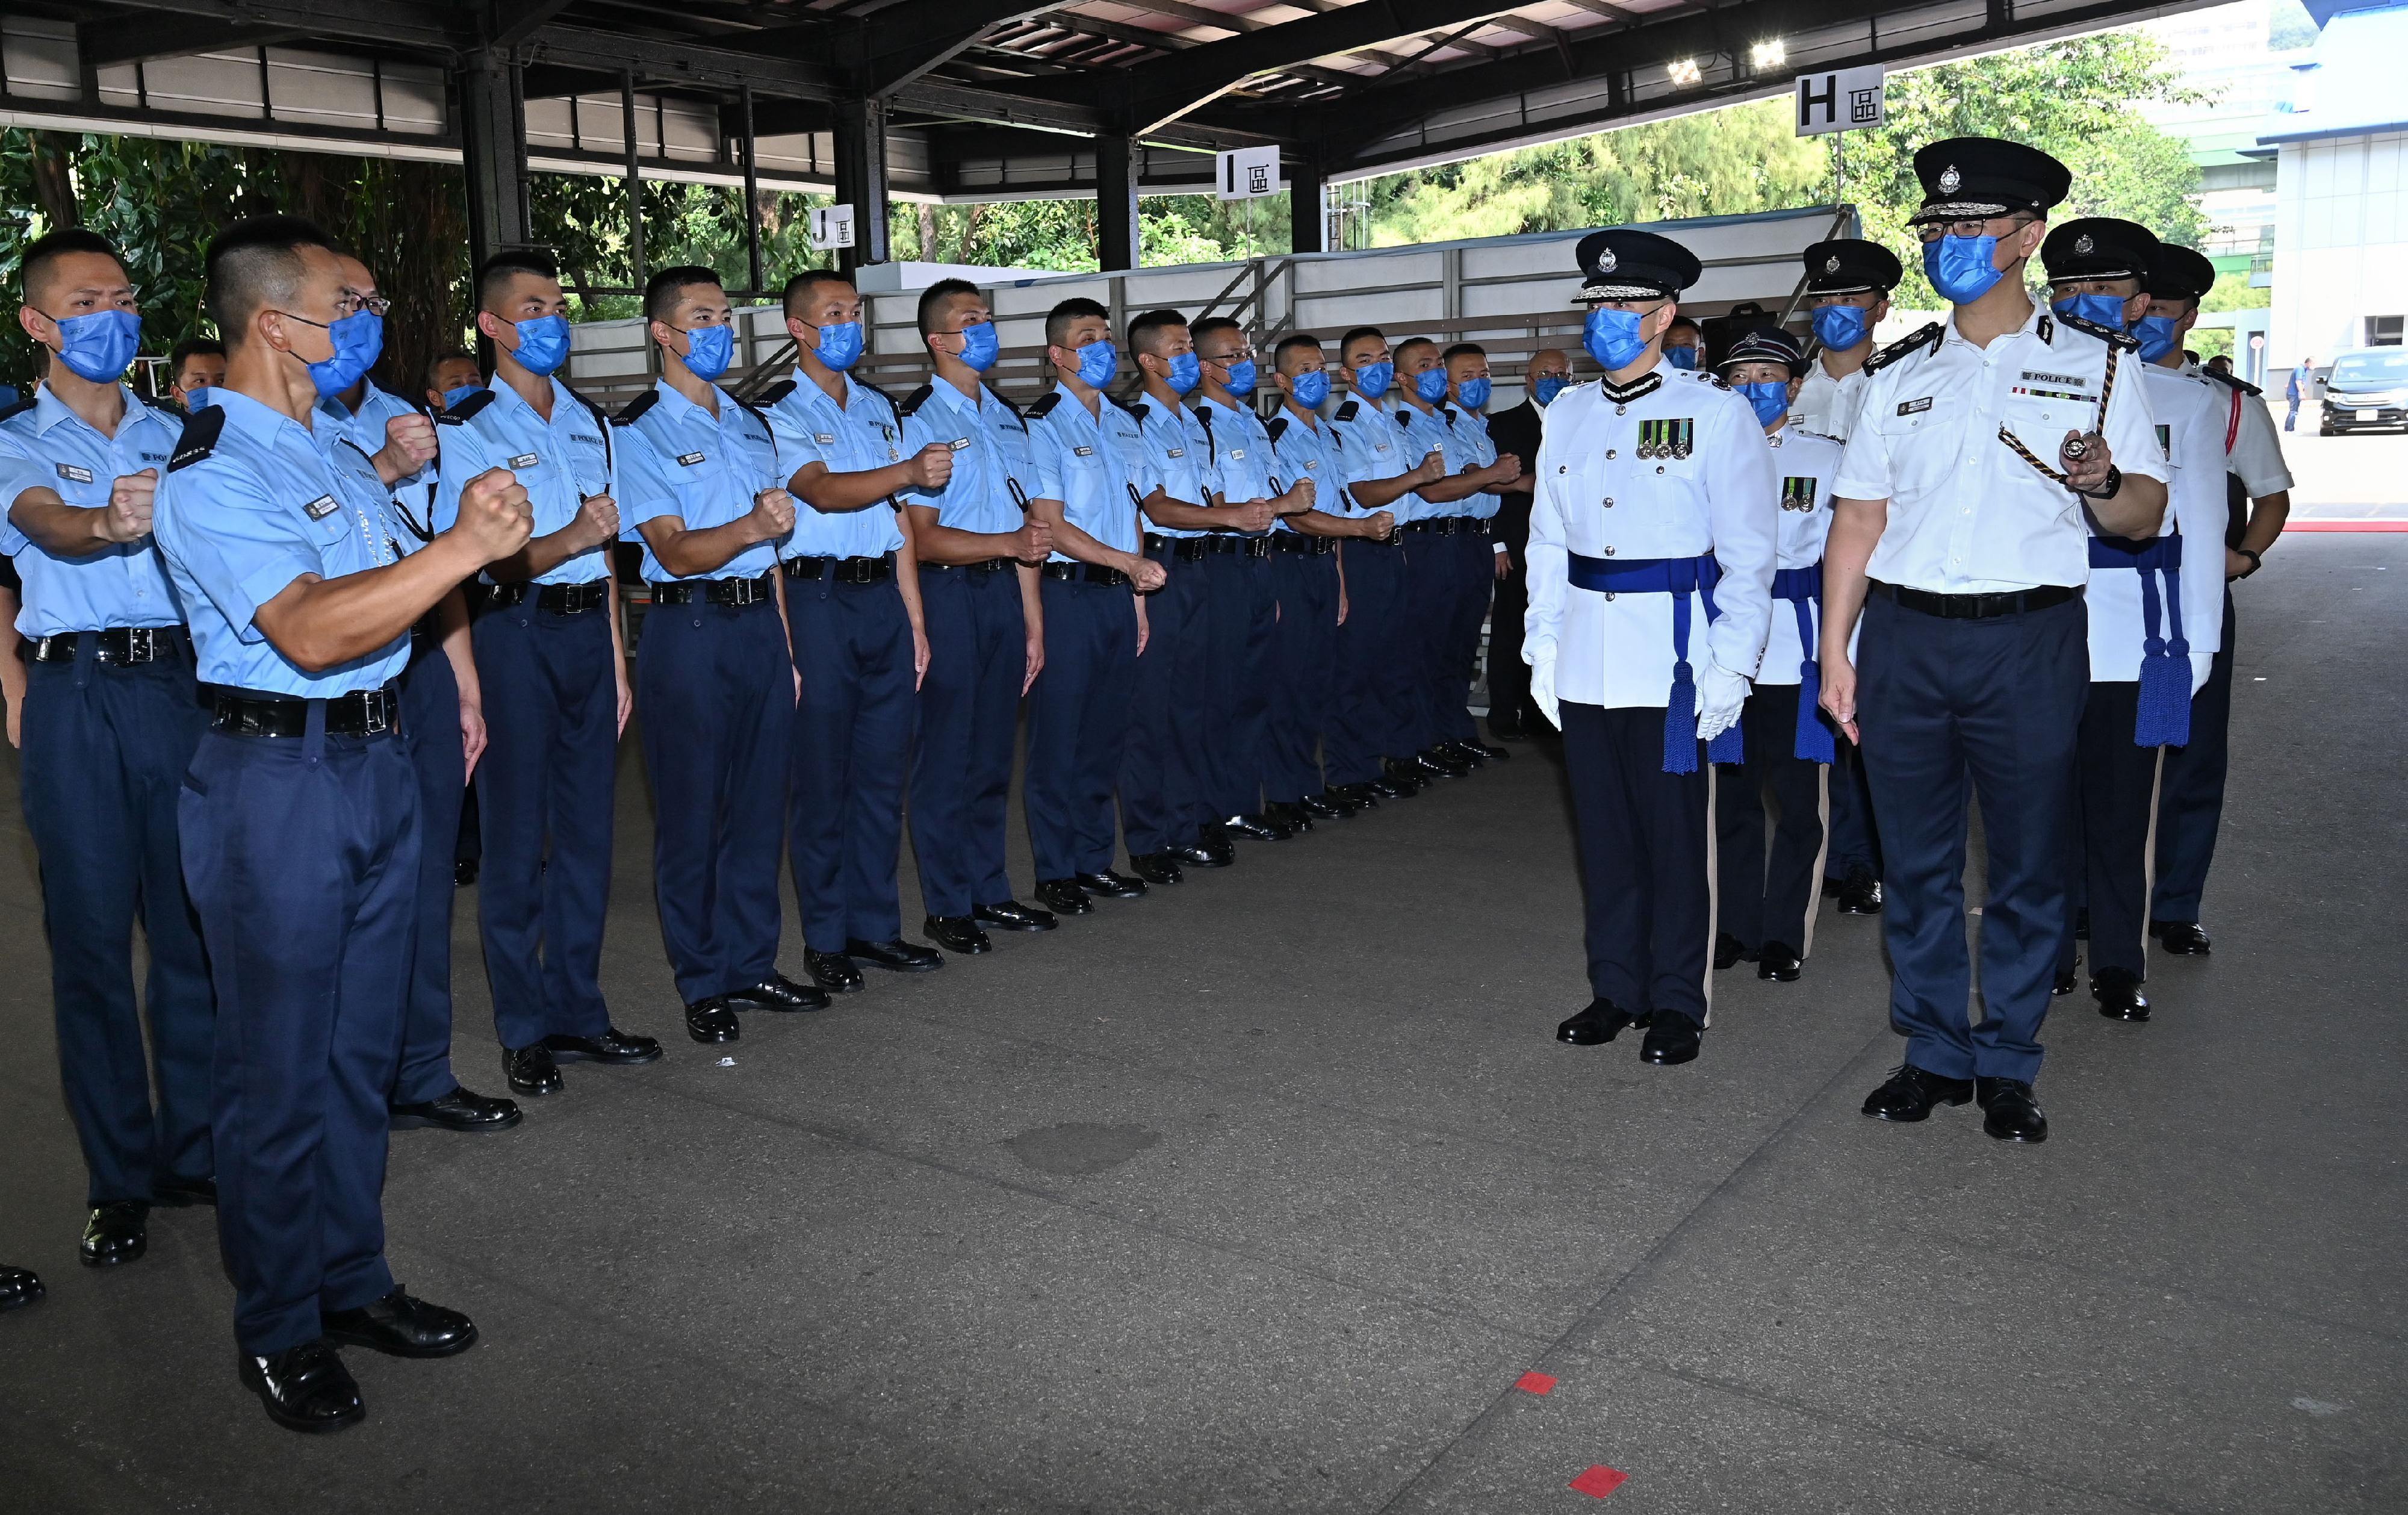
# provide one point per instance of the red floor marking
(1599, 1481)
(1534, 1383)
(2375, 524)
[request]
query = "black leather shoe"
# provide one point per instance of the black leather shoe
(1778, 963)
(2081, 925)
(1602, 1021)
(175, 1192)
(1062, 897)
(1205, 854)
(777, 992)
(1439, 765)
(621, 1049)
(896, 957)
(1257, 827)
(1508, 731)
(1325, 806)
(1280, 813)
(1389, 788)
(1860, 893)
(1407, 775)
(464, 872)
(19, 1288)
(1475, 753)
(117, 1233)
(1012, 916)
(399, 1325)
(2009, 1112)
(832, 971)
(1912, 1091)
(956, 933)
(2067, 981)
(2181, 938)
(305, 1388)
(2119, 996)
(1157, 868)
(459, 1110)
(1729, 952)
(711, 1022)
(1360, 796)
(530, 1070)
(1112, 885)
(1672, 1038)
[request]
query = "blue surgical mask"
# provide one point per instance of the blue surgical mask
(1840, 327)
(543, 344)
(2157, 335)
(2099, 310)
(1241, 378)
(198, 399)
(708, 351)
(1372, 379)
(1186, 372)
(1430, 384)
(1097, 363)
(1611, 337)
(1769, 400)
(455, 399)
(1548, 387)
(1961, 269)
(1474, 393)
(1312, 388)
(980, 346)
(356, 348)
(1683, 357)
(99, 346)
(839, 346)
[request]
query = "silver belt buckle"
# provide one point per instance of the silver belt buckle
(372, 709)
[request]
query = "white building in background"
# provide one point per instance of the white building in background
(2341, 234)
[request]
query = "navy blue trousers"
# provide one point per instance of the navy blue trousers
(1162, 775)
(302, 855)
(2108, 839)
(1764, 894)
(2190, 796)
(852, 751)
(1994, 705)
(1372, 706)
(545, 801)
(1642, 839)
(1078, 725)
(969, 720)
(430, 719)
(105, 747)
(1855, 842)
(1304, 672)
(1455, 661)
(1241, 604)
(716, 686)
(1433, 593)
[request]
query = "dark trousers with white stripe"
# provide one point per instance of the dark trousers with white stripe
(1642, 836)
(1078, 725)
(1304, 671)
(2108, 855)
(969, 721)
(2190, 796)
(1162, 784)
(1372, 708)
(1990, 706)
(1764, 895)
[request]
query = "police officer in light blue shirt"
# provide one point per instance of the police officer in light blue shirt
(853, 611)
(299, 818)
(550, 658)
(714, 675)
(110, 720)
(977, 552)
(1481, 558)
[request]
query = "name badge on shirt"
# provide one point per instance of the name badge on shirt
(1237, 452)
(321, 508)
(689, 460)
(823, 437)
(69, 471)
(958, 444)
(1083, 452)
(1312, 462)
(1915, 407)
(1175, 452)
(525, 460)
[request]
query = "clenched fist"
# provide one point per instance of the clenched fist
(127, 516)
(1035, 540)
(773, 514)
(1254, 515)
(1148, 575)
(495, 515)
(1432, 470)
(1379, 524)
(1507, 468)
(930, 467)
(409, 446)
(598, 519)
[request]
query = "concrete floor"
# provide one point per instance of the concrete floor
(1261, 1194)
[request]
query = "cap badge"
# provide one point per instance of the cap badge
(2084, 245)
(1605, 260)
(1832, 265)
(1949, 180)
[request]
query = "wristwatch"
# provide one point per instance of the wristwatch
(2108, 485)
(2256, 562)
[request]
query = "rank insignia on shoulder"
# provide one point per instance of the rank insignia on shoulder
(1044, 405)
(199, 438)
(1929, 335)
(689, 459)
(1798, 494)
(525, 460)
(69, 471)
(1666, 437)
(321, 508)
(1915, 407)
(912, 401)
(1348, 411)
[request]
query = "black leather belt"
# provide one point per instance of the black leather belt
(361, 712)
(559, 599)
(982, 568)
(116, 644)
(1295, 543)
(1238, 546)
(1396, 535)
(843, 569)
(1085, 573)
(716, 591)
(1977, 607)
(1185, 549)
(1446, 526)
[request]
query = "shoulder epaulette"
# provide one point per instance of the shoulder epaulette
(2105, 334)
(637, 407)
(1044, 405)
(1133, 402)
(200, 438)
(1347, 411)
(1204, 414)
(19, 407)
(752, 410)
(775, 393)
(1715, 379)
(600, 418)
(2233, 379)
(458, 414)
(158, 403)
(1275, 428)
(918, 398)
(1404, 415)
(1929, 336)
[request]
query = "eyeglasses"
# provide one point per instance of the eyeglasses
(1931, 231)
(1243, 354)
(352, 303)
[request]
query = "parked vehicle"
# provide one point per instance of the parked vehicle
(2367, 391)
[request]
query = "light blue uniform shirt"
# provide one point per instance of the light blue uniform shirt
(989, 445)
(1242, 459)
(1081, 461)
(559, 462)
(1467, 445)
(240, 522)
(676, 458)
(366, 426)
(124, 584)
(1374, 446)
(1173, 443)
(1421, 434)
(862, 434)
(1310, 452)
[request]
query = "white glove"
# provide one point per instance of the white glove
(1542, 689)
(1720, 695)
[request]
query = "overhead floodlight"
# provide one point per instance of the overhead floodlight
(1767, 54)
(1683, 71)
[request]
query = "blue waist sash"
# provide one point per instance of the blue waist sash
(1803, 588)
(2164, 715)
(1678, 577)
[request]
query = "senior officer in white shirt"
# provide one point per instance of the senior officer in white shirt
(1958, 534)
(1652, 541)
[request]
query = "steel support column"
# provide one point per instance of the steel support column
(861, 177)
(1119, 243)
(1308, 222)
(492, 151)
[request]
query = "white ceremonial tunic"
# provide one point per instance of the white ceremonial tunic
(1827, 406)
(1598, 497)
(2255, 453)
(1967, 514)
(1805, 467)
(2193, 428)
